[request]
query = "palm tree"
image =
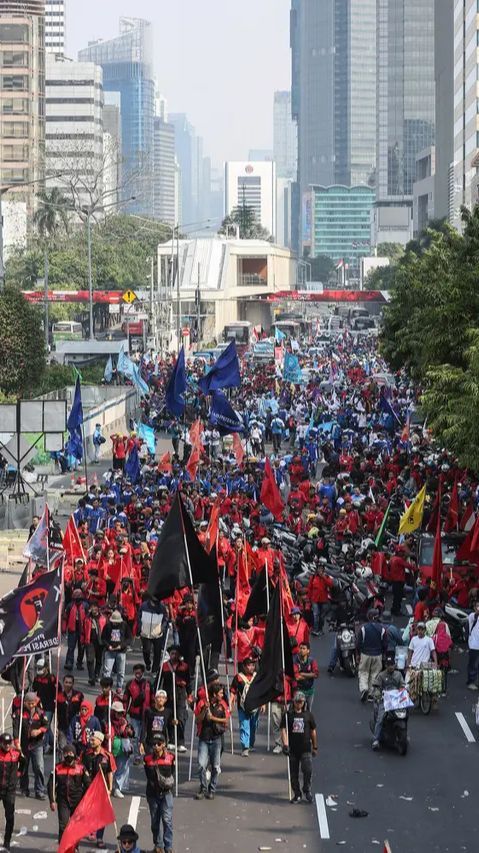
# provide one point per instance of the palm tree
(52, 214)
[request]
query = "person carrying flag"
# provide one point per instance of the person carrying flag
(94, 758)
(66, 787)
(11, 767)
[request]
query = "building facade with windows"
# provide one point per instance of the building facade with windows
(22, 111)
(127, 64)
(285, 137)
(405, 108)
(55, 27)
(164, 189)
(74, 130)
(338, 223)
(466, 100)
(252, 185)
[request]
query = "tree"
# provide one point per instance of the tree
(249, 227)
(22, 352)
(322, 268)
(52, 213)
(393, 251)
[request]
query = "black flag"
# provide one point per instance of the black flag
(169, 569)
(210, 605)
(29, 617)
(258, 600)
(268, 682)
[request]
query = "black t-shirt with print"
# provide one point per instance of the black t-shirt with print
(300, 725)
(156, 723)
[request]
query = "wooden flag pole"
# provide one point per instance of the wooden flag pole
(163, 658)
(176, 729)
(268, 745)
(220, 589)
(109, 797)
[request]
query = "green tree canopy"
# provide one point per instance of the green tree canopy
(22, 352)
(249, 228)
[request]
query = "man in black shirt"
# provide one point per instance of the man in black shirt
(299, 737)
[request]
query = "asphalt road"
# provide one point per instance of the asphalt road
(424, 801)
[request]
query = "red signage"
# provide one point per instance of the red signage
(108, 297)
(328, 296)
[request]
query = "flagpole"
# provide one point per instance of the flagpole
(268, 745)
(193, 718)
(284, 682)
(25, 667)
(175, 723)
(220, 589)
(84, 455)
(109, 720)
(111, 804)
(59, 649)
(163, 658)
(198, 632)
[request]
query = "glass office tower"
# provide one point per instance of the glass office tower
(406, 93)
(127, 63)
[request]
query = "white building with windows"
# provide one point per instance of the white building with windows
(466, 115)
(253, 185)
(55, 26)
(74, 129)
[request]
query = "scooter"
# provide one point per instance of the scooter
(346, 646)
(456, 619)
(394, 729)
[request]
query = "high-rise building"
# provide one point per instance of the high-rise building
(195, 190)
(444, 80)
(22, 96)
(164, 178)
(55, 26)
(406, 110)
(334, 92)
(112, 157)
(466, 118)
(127, 63)
(285, 137)
(339, 223)
(252, 185)
(74, 130)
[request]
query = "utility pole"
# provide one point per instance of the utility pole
(198, 306)
(45, 293)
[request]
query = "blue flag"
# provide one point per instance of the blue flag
(175, 390)
(223, 416)
(132, 465)
(225, 372)
(386, 407)
(138, 380)
(108, 374)
(74, 444)
(147, 433)
(124, 361)
(278, 335)
(292, 371)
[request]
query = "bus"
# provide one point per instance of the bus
(240, 331)
(290, 328)
(67, 330)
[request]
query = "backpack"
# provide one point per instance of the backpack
(247, 684)
(442, 639)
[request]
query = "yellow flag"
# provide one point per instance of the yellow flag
(412, 518)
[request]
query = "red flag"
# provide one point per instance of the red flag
(164, 465)
(238, 449)
(475, 537)
(406, 431)
(464, 552)
(270, 494)
(196, 430)
(387, 847)
(437, 556)
(243, 588)
(93, 812)
(286, 597)
(452, 517)
(72, 543)
(468, 517)
(193, 462)
(213, 527)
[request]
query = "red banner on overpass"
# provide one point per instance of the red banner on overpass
(330, 296)
(108, 297)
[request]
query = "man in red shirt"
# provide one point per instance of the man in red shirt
(318, 595)
(298, 629)
(397, 575)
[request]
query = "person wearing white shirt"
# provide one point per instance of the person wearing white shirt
(473, 644)
(421, 648)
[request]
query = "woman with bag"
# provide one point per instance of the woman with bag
(438, 629)
(120, 737)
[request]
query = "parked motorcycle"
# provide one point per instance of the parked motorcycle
(346, 646)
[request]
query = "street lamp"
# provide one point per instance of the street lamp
(89, 211)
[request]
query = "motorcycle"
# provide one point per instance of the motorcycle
(346, 646)
(394, 729)
(456, 619)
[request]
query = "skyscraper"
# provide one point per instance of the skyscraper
(55, 26)
(22, 94)
(333, 45)
(74, 130)
(466, 119)
(164, 187)
(127, 63)
(285, 137)
(444, 78)
(406, 108)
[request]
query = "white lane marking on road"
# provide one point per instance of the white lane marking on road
(322, 817)
(409, 609)
(133, 813)
(464, 726)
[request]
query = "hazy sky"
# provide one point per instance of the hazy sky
(219, 61)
